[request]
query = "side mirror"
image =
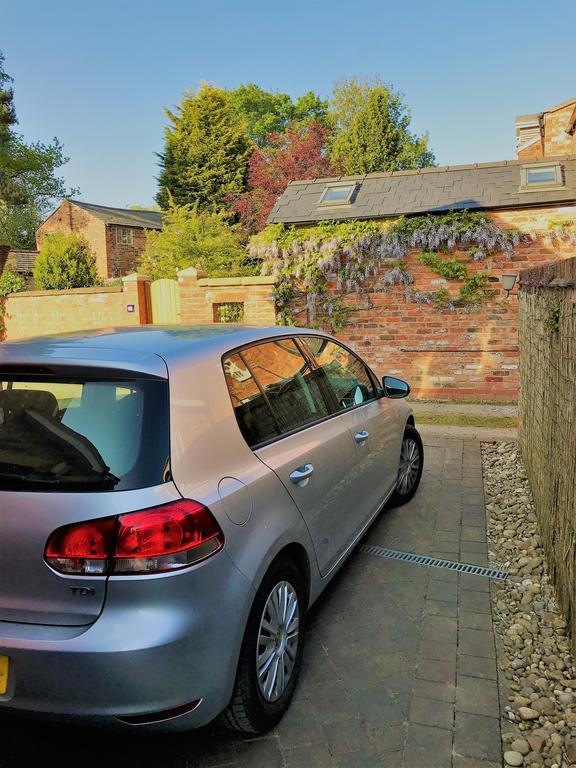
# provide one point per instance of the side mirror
(395, 387)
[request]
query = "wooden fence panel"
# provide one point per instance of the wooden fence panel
(165, 298)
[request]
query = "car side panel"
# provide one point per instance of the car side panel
(207, 447)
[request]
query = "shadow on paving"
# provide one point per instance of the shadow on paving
(399, 665)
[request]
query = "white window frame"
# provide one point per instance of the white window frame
(120, 236)
(353, 187)
(527, 186)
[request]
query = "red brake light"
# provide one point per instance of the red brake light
(83, 548)
(163, 538)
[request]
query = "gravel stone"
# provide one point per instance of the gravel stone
(537, 674)
(520, 745)
(513, 758)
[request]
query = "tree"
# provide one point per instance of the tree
(265, 113)
(7, 111)
(194, 238)
(18, 225)
(65, 261)
(296, 154)
(371, 126)
(206, 152)
(28, 181)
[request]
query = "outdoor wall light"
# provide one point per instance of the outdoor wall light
(508, 283)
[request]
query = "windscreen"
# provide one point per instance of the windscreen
(83, 435)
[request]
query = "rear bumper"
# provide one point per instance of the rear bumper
(160, 644)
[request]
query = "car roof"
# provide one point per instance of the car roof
(171, 343)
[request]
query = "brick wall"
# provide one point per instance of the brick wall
(123, 259)
(70, 218)
(40, 313)
(556, 140)
(199, 295)
(458, 354)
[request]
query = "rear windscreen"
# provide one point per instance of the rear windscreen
(83, 436)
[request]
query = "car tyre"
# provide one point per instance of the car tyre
(410, 469)
(258, 703)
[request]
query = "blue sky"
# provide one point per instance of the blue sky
(98, 74)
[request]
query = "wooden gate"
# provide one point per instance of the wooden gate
(165, 300)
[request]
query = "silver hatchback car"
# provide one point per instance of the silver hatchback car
(172, 501)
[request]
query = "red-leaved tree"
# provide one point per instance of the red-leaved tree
(298, 153)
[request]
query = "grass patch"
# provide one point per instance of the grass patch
(468, 420)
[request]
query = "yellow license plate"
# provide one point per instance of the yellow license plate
(4, 667)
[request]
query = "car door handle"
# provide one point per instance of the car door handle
(362, 436)
(301, 475)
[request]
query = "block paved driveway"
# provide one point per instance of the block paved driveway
(399, 664)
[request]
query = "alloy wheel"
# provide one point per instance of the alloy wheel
(278, 639)
(409, 465)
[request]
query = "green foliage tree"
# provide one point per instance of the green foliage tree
(206, 152)
(265, 113)
(18, 224)
(194, 238)
(371, 126)
(10, 282)
(65, 261)
(7, 111)
(28, 181)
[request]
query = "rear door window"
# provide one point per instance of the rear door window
(347, 375)
(83, 435)
(275, 390)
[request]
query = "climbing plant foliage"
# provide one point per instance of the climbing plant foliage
(319, 265)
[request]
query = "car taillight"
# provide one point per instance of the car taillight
(154, 540)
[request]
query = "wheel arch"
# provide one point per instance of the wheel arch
(298, 555)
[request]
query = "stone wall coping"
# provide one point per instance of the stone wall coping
(134, 277)
(256, 280)
(66, 292)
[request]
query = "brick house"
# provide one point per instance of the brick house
(548, 133)
(464, 353)
(116, 235)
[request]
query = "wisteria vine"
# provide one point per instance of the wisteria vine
(316, 266)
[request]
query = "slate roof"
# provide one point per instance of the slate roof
(122, 216)
(480, 186)
(24, 261)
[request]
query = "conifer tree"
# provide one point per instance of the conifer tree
(372, 130)
(206, 152)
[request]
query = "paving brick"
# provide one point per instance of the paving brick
(430, 649)
(348, 736)
(473, 620)
(476, 696)
(470, 600)
(437, 671)
(477, 736)
(439, 714)
(476, 666)
(476, 642)
(312, 756)
(428, 746)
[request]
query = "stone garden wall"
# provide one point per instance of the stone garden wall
(548, 414)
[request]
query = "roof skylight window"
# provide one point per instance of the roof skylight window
(540, 176)
(339, 193)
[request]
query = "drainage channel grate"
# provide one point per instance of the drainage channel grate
(433, 562)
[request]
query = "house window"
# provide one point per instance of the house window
(229, 312)
(340, 193)
(124, 236)
(540, 176)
